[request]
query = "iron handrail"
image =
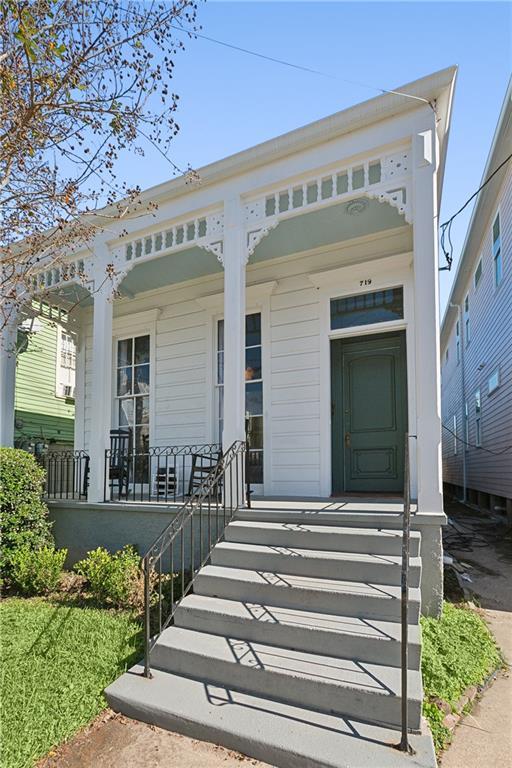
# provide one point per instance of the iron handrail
(221, 492)
(404, 745)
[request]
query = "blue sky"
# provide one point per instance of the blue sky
(230, 101)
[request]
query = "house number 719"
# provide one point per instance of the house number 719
(366, 282)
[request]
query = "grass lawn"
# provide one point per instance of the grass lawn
(56, 661)
(458, 651)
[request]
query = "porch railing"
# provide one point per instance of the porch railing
(67, 474)
(166, 474)
(197, 526)
(404, 745)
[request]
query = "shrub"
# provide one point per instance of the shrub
(37, 571)
(115, 579)
(23, 514)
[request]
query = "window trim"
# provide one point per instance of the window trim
(499, 250)
(478, 418)
(59, 368)
(477, 281)
(467, 325)
(490, 390)
(128, 326)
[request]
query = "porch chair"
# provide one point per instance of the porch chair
(119, 461)
(202, 465)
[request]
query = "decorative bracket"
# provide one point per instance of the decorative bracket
(255, 236)
(217, 248)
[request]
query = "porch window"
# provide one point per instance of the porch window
(132, 392)
(366, 308)
(253, 391)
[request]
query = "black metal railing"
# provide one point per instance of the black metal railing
(167, 474)
(404, 744)
(172, 562)
(67, 474)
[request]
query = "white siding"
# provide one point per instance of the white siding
(490, 346)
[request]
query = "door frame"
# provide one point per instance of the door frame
(399, 333)
(388, 272)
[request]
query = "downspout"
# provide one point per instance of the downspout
(458, 307)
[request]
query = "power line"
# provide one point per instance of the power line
(300, 67)
(473, 445)
(446, 228)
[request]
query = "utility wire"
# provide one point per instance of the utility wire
(300, 67)
(447, 226)
(473, 445)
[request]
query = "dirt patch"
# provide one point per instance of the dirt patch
(115, 741)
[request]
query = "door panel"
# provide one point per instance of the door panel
(369, 413)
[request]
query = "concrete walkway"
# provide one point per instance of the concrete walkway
(113, 741)
(484, 738)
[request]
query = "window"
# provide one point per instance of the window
(478, 273)
(466, 319)
(253, 391)
(457, 340)
(366, 308)
(454, 430)
(496, 251)
(66, 364)
(478, 419)
(466, 425)
(446, 355)
(132, 394)
(493, 381)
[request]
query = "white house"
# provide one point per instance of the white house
(298, 282)
(476, 342)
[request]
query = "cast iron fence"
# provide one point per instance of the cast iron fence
(67, 474)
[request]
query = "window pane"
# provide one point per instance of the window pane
(142, 410)
(256, 432)
(254, 398)
(375, 307)
(220, 335)
(253, 363)
(253, 330)
(126, 412)
(124, 381)
(220, 367)
(255, 467)
(142, 439)
(141, 379)
(497, 267)
(496, 229)
(142, 350)
(124, 352)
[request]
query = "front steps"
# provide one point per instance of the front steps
(289, 648)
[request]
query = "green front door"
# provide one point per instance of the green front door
(369, 413)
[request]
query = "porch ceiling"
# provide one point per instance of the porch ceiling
(174, 268)
(327, 226)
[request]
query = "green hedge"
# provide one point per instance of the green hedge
(24, 518)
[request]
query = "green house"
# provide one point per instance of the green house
(45, 384)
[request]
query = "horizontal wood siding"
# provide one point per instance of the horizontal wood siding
(490, 346)
(295, 388)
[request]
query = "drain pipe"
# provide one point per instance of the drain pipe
(458, 307)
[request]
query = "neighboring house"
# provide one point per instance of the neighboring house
(45, 386)
(476, 343)
(296, 283)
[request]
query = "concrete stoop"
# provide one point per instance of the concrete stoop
(289, 649)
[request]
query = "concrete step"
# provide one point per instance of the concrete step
(333, 596)
(336, 538)
(352, 566)
(266, 729)
(352, 637)
(327, 683)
